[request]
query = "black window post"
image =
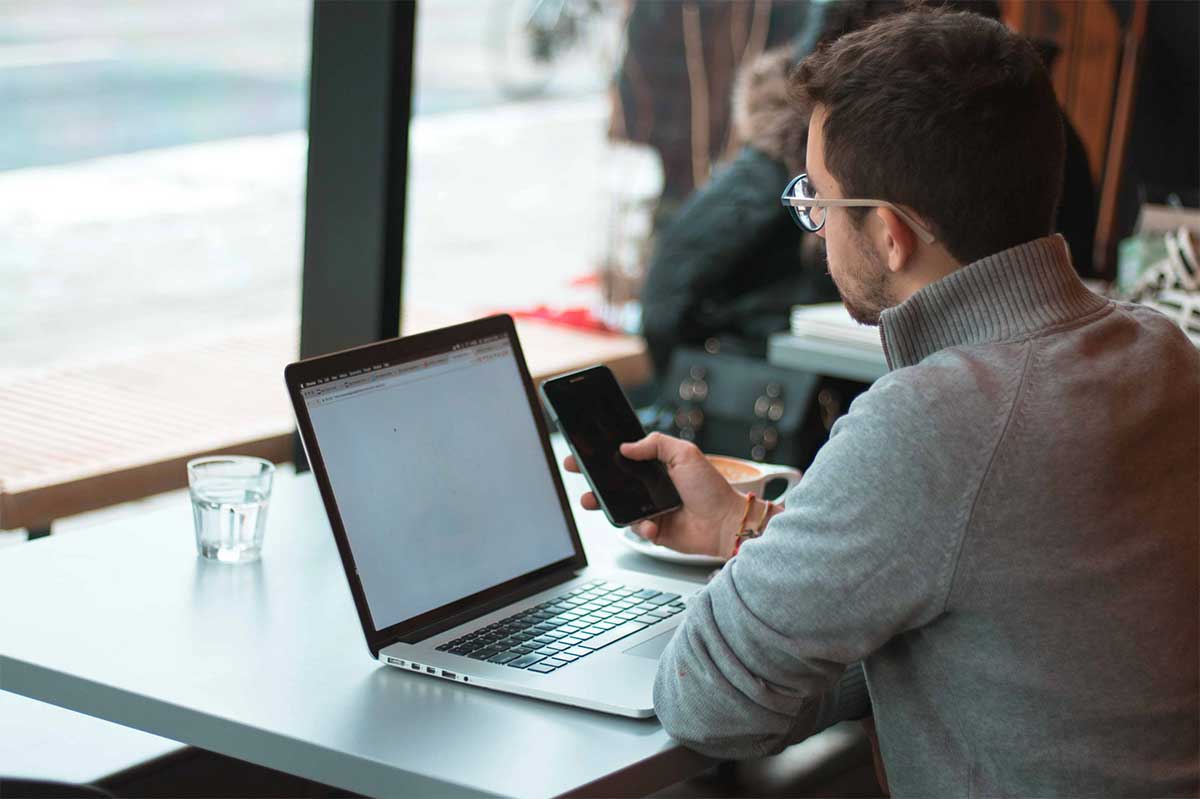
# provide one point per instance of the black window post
(360, 100)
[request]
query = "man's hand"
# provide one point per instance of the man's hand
(707, 523)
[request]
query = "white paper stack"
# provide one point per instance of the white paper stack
(832, 323)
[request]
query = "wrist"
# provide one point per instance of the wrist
(731, 525)
(752, 521)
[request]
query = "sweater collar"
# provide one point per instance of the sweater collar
(1006, 296)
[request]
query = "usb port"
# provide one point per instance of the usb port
(449, 675)
(430, 670)
(415, 666)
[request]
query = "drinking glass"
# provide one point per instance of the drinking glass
(229, 505)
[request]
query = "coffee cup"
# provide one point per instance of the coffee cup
(747, 476)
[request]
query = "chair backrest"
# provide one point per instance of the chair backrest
(1095, 78)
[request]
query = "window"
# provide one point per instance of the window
(151, 174)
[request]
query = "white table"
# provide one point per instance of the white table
(825, 358)
(824, 340)
(266, 662)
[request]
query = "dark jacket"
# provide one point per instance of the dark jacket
(729, 265)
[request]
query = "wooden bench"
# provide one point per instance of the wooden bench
(83, 437)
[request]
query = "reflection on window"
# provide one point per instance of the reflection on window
(552, 139)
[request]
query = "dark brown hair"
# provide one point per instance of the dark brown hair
(947, 113)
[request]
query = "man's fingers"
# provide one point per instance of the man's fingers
(647, 530)
(588, 501)
(570, 465)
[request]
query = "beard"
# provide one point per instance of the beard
(864, 285)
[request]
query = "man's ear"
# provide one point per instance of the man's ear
(899, 241)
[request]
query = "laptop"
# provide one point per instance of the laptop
(444, 496)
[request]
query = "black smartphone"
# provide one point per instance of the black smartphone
(596, 418)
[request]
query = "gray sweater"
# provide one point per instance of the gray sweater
(1004, 529)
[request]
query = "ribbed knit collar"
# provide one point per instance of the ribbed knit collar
(1006, 296)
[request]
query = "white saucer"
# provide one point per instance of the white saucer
(639, 544)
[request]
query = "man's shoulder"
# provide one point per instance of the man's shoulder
(955, 385)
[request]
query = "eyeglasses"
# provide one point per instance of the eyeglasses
(809, 213)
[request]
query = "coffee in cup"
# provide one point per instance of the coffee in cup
(747, 476)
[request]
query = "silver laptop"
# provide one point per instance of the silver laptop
(434, 462)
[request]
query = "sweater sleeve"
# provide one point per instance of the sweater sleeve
(864, 552)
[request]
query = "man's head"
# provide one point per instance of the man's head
(950, 116)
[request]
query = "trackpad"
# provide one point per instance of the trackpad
(652, 648)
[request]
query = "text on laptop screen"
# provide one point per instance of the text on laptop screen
(439, 476)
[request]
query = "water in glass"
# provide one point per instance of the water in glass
(229, 519)
(229, 505)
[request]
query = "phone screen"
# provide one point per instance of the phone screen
(596, 418)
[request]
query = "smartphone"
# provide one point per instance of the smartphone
(596, 418)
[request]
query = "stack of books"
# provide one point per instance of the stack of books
(831, 323)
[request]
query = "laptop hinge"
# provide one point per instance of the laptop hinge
(537, 586)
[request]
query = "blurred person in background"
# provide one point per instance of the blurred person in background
(728, 265)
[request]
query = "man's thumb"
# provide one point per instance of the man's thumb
(644, 450)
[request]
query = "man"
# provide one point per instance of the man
(1004, 528)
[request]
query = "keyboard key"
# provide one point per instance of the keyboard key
(573, 640)
(571, 629)
(540, 669)
(484, 654)
(504, 657)
(527, 660)
(555, 662)
(646, 593)
(547, 651)
(557, 647)
(523, 650)
(605, 625)
(542, 640)
(662, 613)
(578, 651)
(554, 636)
(627, 615)
(565, 657)
(443, 647)
(647, 619)
(663, 599)
(614, 635)
(460, 650)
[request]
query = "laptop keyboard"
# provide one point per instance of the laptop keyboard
(556, 633)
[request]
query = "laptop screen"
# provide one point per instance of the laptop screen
(439, 475)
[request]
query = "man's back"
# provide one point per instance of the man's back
(1069, 637)
(1005, 529)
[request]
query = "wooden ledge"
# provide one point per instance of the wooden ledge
(88, 436)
